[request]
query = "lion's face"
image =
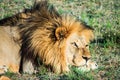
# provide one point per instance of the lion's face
(77, 50)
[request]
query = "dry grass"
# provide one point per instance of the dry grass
(103, 16)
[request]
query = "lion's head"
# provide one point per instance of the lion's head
(58, 40)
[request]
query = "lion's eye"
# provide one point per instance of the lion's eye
(74, 44)
(86, 45)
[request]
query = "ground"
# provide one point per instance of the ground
(102, 15)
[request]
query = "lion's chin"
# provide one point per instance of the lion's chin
(90, 65)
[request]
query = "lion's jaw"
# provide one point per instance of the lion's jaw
(76, 50)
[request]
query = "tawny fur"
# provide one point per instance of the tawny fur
(45, 34)
(9, 49)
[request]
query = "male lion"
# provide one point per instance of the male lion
(42, 33)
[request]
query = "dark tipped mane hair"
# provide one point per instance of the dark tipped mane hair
(43, 16)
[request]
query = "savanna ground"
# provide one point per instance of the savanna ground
(102, 15)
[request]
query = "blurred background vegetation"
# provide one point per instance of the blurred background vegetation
(102, 15)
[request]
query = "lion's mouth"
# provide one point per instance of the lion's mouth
(90, 65)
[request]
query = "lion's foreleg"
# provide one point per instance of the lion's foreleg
(28, 67)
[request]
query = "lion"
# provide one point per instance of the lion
(41, 34)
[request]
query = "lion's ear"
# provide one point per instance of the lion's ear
(61, 33)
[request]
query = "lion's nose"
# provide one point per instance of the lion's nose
(86, 58)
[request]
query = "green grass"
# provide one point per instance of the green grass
(103, 16)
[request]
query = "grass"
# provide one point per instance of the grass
(103, 16)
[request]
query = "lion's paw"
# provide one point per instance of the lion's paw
(3, 69)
